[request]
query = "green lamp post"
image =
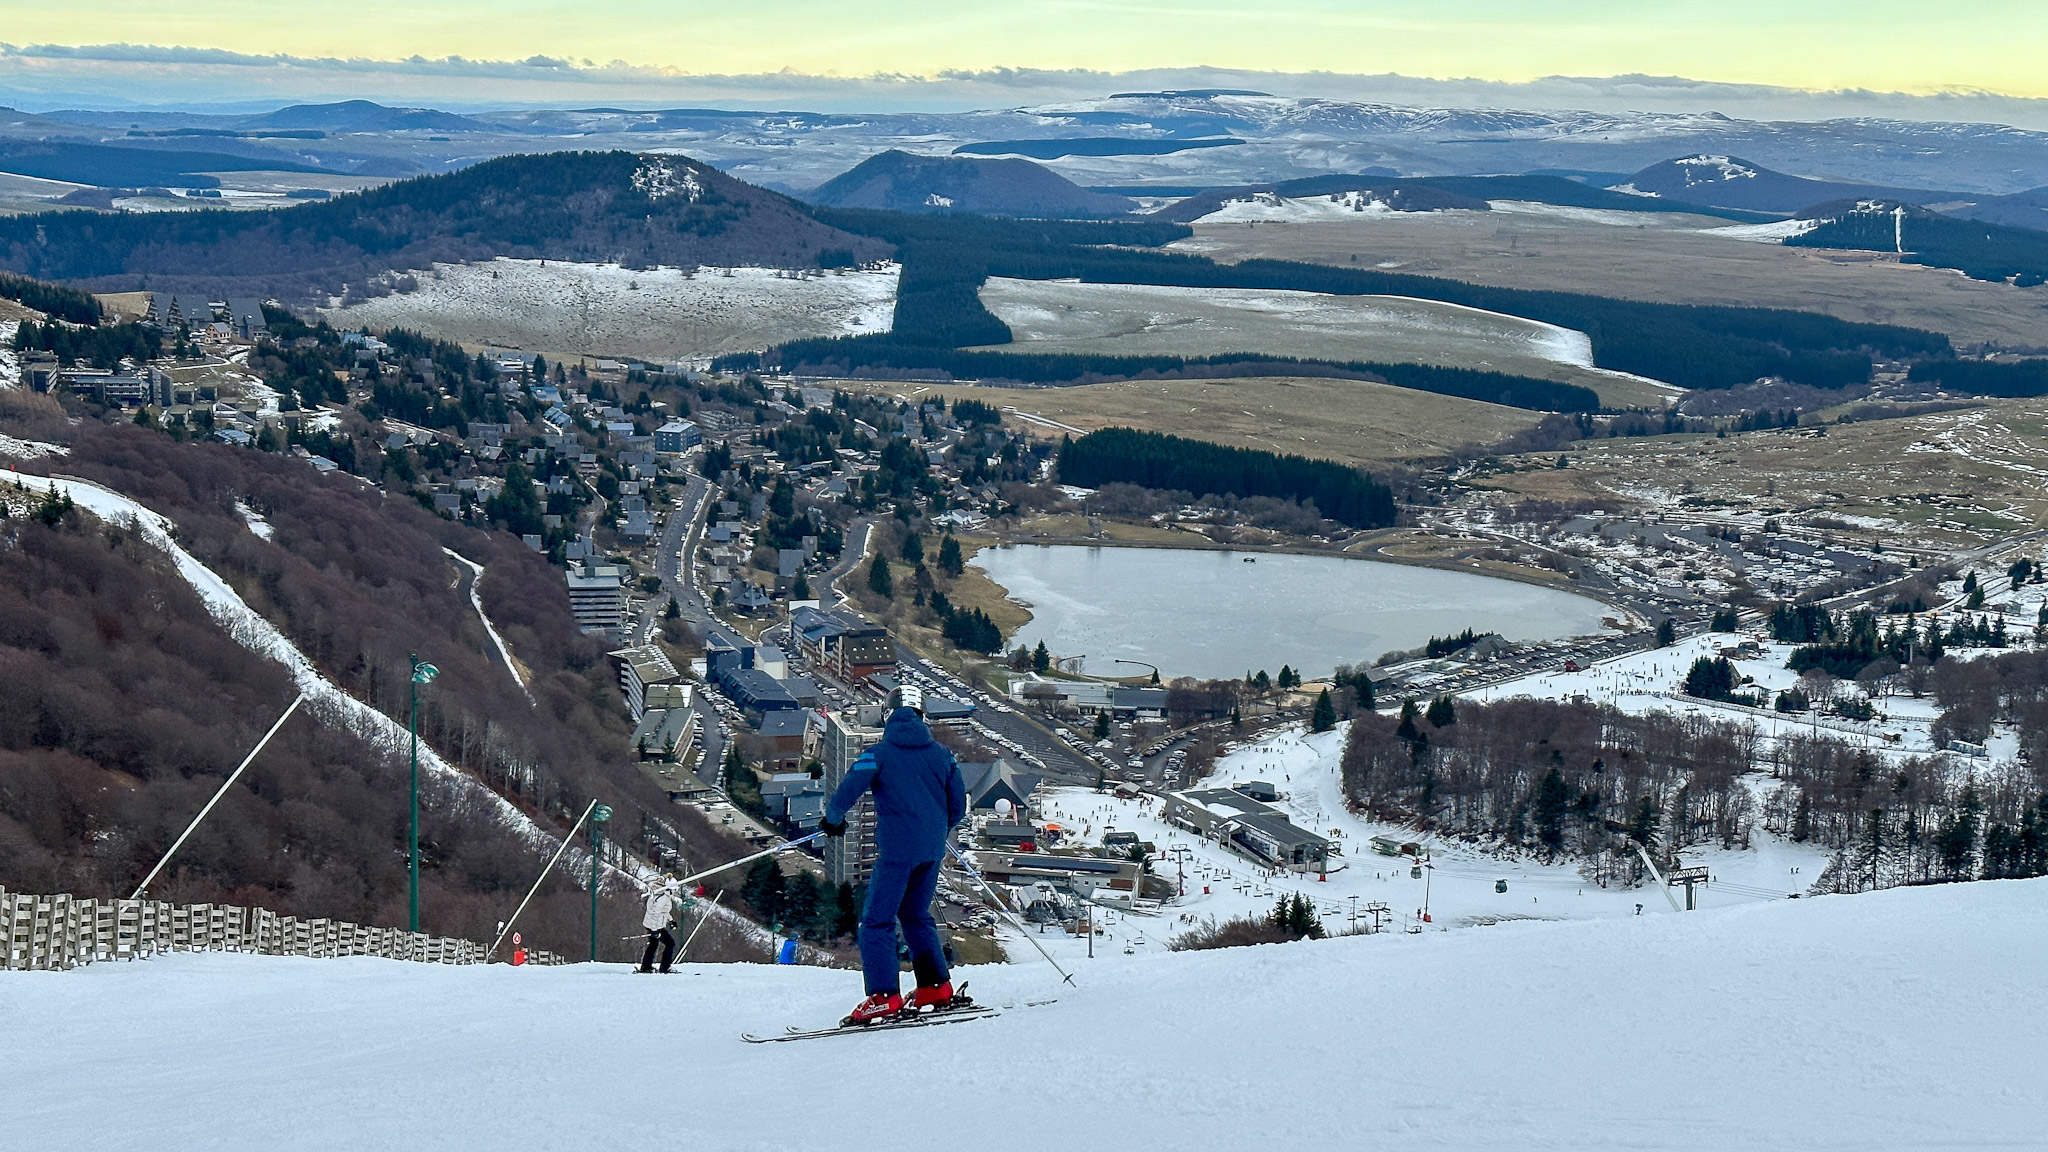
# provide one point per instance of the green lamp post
(422, 673)
(598, 816)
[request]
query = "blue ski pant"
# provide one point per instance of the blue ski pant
(901, 892)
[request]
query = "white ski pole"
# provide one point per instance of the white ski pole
(701, 921)
(1066, 977)
(689, 880)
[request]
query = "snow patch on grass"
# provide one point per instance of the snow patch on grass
(1775, 232)
(30, 449)
(263, 529)
(1137, 319)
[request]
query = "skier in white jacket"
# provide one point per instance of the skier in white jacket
(661, 910)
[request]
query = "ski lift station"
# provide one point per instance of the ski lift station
(1249, 826)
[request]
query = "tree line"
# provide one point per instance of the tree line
(52, 300)
(1981, 251)
(1154, 460)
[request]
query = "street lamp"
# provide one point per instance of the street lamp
(422, 673)
(1141, 663)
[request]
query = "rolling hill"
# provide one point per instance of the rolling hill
(898, 181)
(1732, 182)
(622, 207)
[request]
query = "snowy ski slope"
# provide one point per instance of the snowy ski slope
(1899, 1020)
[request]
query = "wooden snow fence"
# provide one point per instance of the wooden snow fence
(45, 933)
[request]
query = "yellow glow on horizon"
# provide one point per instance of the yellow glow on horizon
(1883, 45)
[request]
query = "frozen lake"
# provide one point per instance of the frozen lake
(1211, 615)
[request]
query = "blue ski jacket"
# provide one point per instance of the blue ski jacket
(919, 795)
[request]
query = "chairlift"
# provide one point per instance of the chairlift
(1415, 873)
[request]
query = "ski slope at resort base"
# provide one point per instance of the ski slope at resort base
(1908, 1018)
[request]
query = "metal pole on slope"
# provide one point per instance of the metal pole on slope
(701, 921)
(422, 673)
(225, 785)
(1005, 909)
(1658, 877)
(552, 861)
(599, 813)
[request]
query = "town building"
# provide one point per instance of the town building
(849, 859)
(597, 597)
(1090, 877)
(849, 648)
(1251, 827)
(639, 668)
(998, 779)
(781, 733)
(677, 437)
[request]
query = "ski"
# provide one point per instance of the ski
(947, 1016)
(955, 1016)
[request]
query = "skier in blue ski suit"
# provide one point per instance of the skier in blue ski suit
(919, 798)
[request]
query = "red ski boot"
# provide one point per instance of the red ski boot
(937, 998)
(879, 1007)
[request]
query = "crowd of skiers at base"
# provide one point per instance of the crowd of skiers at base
(919, 798)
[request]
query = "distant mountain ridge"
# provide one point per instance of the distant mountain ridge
(1439, 193)
(364, 116)
(624, 207)
(899, 181)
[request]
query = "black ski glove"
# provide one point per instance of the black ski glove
(833, 830)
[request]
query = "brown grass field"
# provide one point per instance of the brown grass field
(1353, 421)
(1660, 256)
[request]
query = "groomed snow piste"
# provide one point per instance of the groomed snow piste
(1906, 1019)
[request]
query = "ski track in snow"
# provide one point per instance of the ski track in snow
(476, 601)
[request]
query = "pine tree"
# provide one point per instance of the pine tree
(879, 581)
(1667, 633)
(1548, 809)
(950, 560)
(848, 901)
(1102, 725)
(1041, 660)
(913, 549)
(1442, 713)
(1324, 717)
(762, 890)
(800, 904)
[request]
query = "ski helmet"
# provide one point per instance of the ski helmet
(907, 696)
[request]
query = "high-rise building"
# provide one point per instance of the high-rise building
(849, 859)
(597, 597)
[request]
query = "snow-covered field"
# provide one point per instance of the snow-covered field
(1268, 208)
(664, 314)
(1140, 319)
(1899, 1020)
(1459, 888)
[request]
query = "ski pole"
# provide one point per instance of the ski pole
(1005, 909)
(689, 880)
(701, 921)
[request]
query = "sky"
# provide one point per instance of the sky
(1882, 46)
